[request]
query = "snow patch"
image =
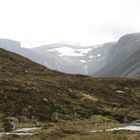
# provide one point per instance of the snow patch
(66, 51)
(27, 129)
(21, 132)
(119, 91)
(90, 56)
(45, 99)
(130, 127)
(83, 61)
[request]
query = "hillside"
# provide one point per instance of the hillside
(31, 94)
(124, 58)
(31, 90)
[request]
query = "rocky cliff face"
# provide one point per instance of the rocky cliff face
(124, 58)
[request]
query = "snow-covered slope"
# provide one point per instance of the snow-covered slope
(75, 59)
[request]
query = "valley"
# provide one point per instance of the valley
(69, 69)
(112, 59)
(65, 106)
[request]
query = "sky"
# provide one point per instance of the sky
(85, 22)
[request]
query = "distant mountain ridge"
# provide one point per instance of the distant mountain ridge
(15, 46)
(114, 59)
(64, 57)
(75, 59)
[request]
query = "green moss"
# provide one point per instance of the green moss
(55, 117)
(102, 119)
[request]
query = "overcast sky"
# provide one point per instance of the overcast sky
(79, 21)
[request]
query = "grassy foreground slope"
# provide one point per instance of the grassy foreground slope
(31, 90)
(75, 103)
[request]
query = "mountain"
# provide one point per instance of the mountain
(124, 58)
(75, 59)
(64, 57)
(30, 90)
(115, 59)
(15, 46)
